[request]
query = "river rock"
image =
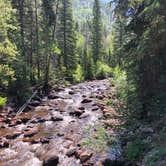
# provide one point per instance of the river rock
(30, 132)
(85, 115)
(95, 108)
(84, 101)
(13, 135)
(34, 141)
(84, 156)
(44, 140)
(53, 96)
(71, 152)
(71, 92)
(35, 103)
(76, 112)
(51, 161)
(25, 119)
(56, 118)
(81, 108)
(4, 143)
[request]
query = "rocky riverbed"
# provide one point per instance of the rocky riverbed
(51, 131)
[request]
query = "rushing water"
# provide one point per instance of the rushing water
(60, 135)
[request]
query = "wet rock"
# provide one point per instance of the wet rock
(25, 119)
(35, 103)
(76, 112)
(67, 144)
(13, 135)
(51, 161)
(71, 92)
(56, 118)
(100, 97)
(40, 119)
(71, 152)
(95, 108)
(81, 108)
(4, 143)
(60, 134)
(31, 132)
(84, 156)
(35, 140)
(85, 115)
(34, 121)
(84, 101)
(7, 120)
(146, 129)
(44, 140)
(19, 121)
(53, 96)
(78, 153)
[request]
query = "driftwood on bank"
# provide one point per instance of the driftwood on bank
(26, 103)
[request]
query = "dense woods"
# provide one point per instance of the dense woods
(48, 42)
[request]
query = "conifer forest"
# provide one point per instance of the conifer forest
(82, 82)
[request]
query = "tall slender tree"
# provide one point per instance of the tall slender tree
(96, 32)
(66, 37)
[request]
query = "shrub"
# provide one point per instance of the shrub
(97, 138)
(135, 150)
(103, 70)
(78, 75)
(120, 82)
(3, 101)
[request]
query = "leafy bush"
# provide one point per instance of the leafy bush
(103, 70)
(135, 150)
(156, 157)
(120, 82)
(78, 75)
(3, 101)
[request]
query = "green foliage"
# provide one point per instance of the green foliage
(96, 32)
(102, 70)
(156, 157)
(7, 49)
(120, 82)
(135, 150)
(97, 138)
(67, 38)
(3, 101)
(78, 75)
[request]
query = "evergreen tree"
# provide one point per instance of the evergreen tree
(96, 32)
(67, 38)
(8, 50)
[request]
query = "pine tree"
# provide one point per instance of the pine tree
(96, 32)
(66, 37)
(8, 50)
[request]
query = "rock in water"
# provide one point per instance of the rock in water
(85, 156)
(13, 135)
(56, 118)
(86, 101)
(51, 161)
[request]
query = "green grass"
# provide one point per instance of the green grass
(97, 138)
